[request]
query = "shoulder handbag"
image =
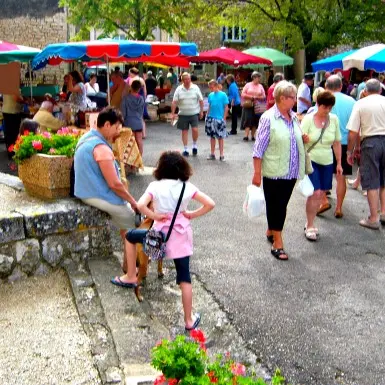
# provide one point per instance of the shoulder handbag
(260, 106)
(308, 166)
(248, 103)
(154, 243)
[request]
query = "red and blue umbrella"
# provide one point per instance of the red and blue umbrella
(109, 50)
(10, 52)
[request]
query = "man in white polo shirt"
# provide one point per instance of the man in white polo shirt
(189, 99)
(368, 119)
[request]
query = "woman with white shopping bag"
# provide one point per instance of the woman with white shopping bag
(322, 130)
(279, 158)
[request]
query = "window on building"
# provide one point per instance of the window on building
(233, 34)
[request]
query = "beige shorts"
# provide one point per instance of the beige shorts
(122, 216)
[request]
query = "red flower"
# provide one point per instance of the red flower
(211, 376)
(173, 381)
(160, 380)
(11, 148)
(26, 133)
(198, 336)
(37, 145)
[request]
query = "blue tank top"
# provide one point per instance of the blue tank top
(89, 180)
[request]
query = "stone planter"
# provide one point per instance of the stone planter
(46, 176)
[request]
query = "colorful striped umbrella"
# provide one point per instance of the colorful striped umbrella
(12, 52)
(366, 58)
(109, 50)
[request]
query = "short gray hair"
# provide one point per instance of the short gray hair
(333, 83)
(373, 86)
(284, 88)
(278, 77)
(256, 74)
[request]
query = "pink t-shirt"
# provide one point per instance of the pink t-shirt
(165, 194)
(253, 90)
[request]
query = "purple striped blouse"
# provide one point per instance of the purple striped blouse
(263, 139)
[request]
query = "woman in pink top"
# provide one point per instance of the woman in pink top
(252, 91)
(171, 173)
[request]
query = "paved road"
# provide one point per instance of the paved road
(319, 317)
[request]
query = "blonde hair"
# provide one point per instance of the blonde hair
(212, 82)
(316, 92)
(284, 88)
(185, 74)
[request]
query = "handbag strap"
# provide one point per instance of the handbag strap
(175, 212)
(320, 137)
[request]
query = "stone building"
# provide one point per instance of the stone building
(34, 23)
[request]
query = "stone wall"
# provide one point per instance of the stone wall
(34, 23)
(36, 239)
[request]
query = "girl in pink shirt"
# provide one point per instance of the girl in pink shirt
(171, 173)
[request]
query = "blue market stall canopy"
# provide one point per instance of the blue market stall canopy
(112, 51)
(367, 58)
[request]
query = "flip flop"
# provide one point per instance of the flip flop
(118, 282)
(277, 254)
(323, 208)
(270, 238)
(195, 324)
(311, 234)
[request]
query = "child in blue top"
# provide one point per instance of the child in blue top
(215, 126)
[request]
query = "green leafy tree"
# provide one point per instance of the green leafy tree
(312, 25)
(137, 19)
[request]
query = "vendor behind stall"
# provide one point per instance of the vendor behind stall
(45, 118)
(77, 88)
(12, 118)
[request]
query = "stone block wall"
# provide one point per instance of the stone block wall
(35, 23)
(36, 239)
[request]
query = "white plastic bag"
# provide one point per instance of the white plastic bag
(254, 204)
(305, 187)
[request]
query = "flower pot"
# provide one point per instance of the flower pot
(46, 176)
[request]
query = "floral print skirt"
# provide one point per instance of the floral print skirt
(215, 128)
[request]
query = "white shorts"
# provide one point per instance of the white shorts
(122, 216)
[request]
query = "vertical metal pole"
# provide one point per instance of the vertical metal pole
(108, 82)
(30, 79)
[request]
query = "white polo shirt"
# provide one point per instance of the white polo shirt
(188, 99)
(303, 92)
(368, 115)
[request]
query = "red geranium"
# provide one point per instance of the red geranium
(37, 145)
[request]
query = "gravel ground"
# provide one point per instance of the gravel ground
(41, 338)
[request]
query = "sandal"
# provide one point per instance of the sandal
(369, 225)
(195, 324)
(277, 253)
(311, 234)
(338, 214)
(323, 208)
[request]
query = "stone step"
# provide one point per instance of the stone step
(134, 326)
(137, 327)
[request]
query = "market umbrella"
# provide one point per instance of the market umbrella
(228, 56)
(331, 63)
(16, 53)
(277, 57)
(109, 50)
(366, 58)
(10, 52)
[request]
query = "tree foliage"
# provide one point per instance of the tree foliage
(137, 19)
(312, 25)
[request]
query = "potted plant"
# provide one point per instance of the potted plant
(184, 361)
(44, 162)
